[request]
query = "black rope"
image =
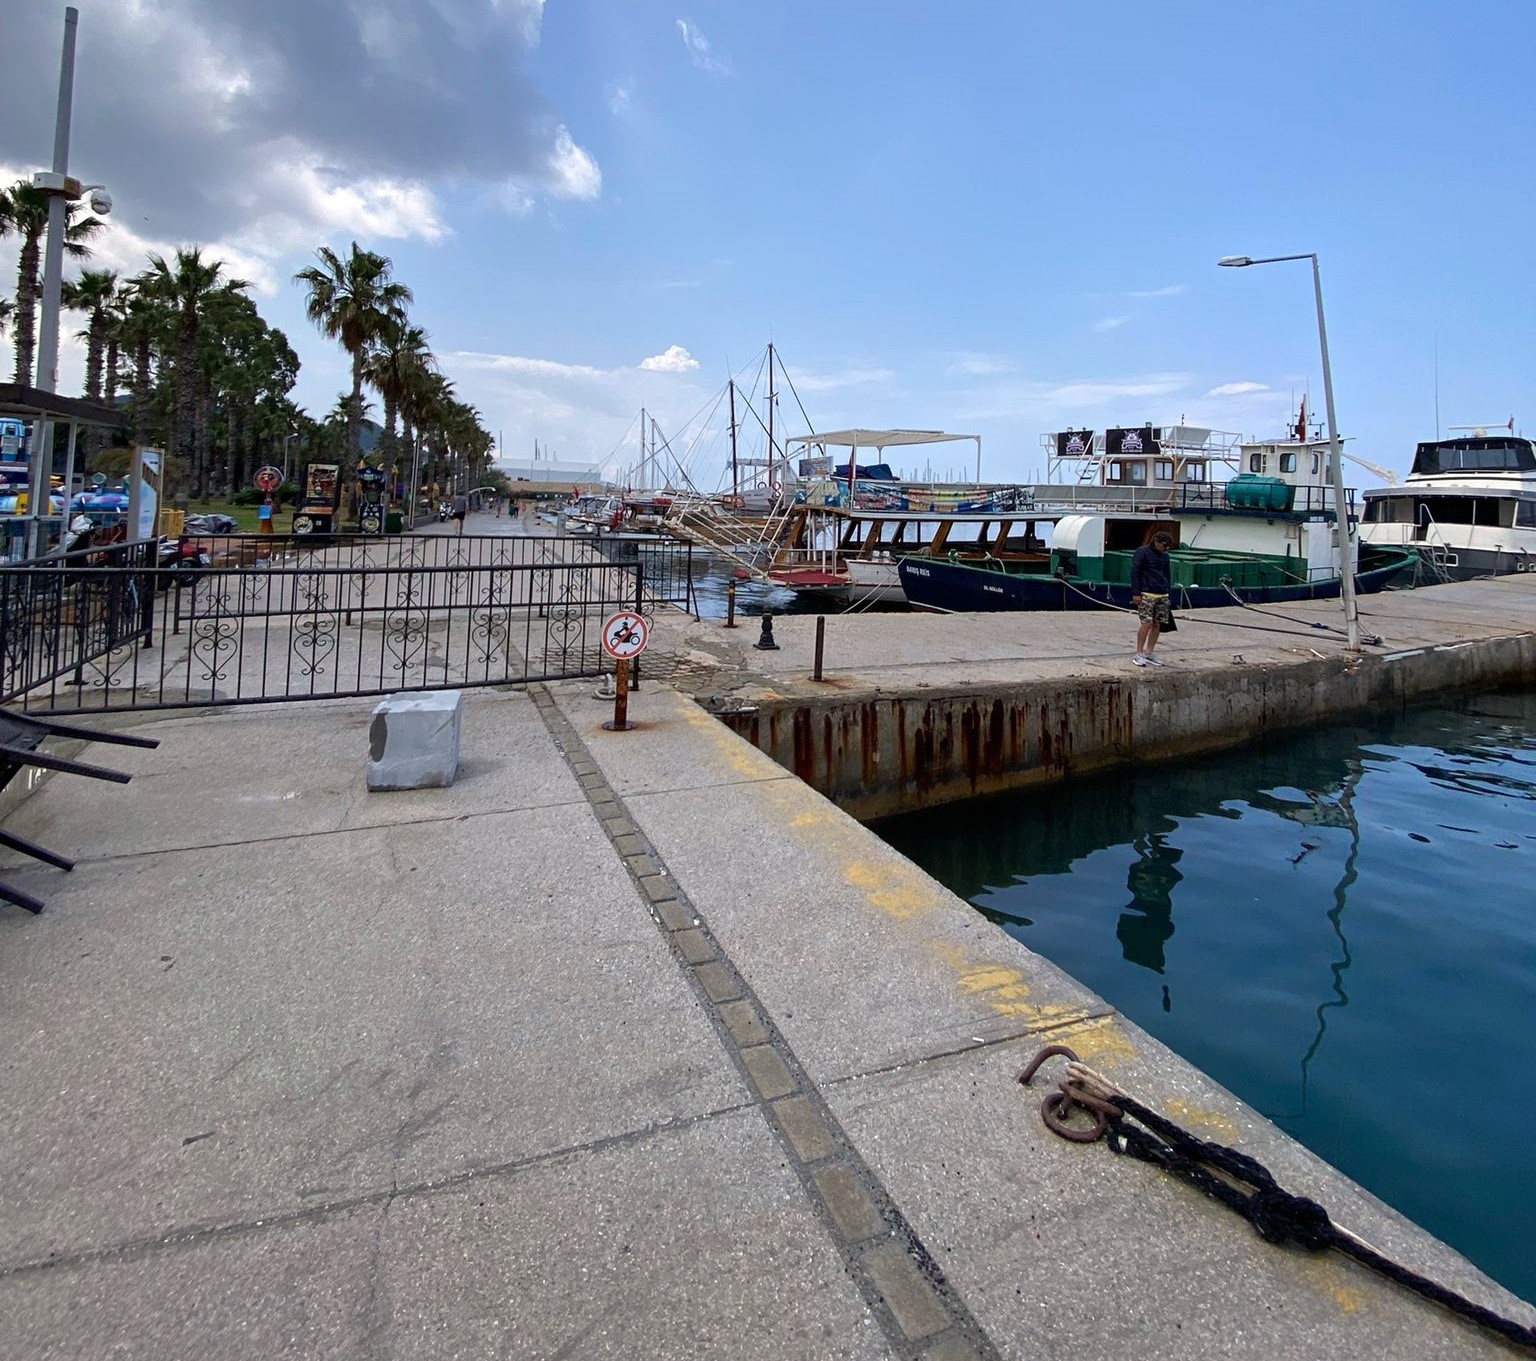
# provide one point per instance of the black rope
(1276, 1214)
(1200, 619)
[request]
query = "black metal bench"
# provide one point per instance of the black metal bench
(20, 737)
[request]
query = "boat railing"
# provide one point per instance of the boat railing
(1303, 500)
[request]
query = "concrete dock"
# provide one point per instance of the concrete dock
(626, 1045)
(915, 710)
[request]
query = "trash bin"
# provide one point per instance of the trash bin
(394, 522)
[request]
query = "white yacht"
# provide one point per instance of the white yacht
(1468, 507)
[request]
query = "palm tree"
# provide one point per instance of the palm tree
(143, 324)
(390, 366)
(352, 300)
(24, 210)
(187, 287)
(95, 293)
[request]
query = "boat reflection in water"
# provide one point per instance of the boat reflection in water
(1336, 925)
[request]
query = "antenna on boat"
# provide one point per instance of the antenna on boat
(1481, 431)
(1437, 384)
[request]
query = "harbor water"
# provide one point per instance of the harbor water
(1339, 926)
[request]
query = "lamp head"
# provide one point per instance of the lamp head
(1235, 261)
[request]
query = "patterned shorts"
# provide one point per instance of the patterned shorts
(1153, 609)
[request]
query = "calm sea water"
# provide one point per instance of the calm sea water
(1339, 926)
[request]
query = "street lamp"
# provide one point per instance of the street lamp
(1342, 534)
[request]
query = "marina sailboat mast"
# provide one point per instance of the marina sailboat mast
(735, 466)
(773, 449)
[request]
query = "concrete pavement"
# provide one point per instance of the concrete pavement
(627, 1045)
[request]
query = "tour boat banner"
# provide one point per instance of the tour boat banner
(1129, 442)
(1074, 443)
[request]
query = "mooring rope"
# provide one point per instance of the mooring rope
(1240, 1182)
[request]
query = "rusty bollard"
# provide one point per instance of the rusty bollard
(766, 643)
(730, 603)
(821, 644)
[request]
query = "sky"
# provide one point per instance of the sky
(997, 218)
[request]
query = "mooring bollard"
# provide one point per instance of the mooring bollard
(821, 643)
(765, 643)
(730, 603)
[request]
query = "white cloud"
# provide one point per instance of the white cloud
(278, 124)
(674, 359)
(972, 365)
(572, 171)
(1110, 323)
(1237, 389)
(621, 97)
(830, 382)
(581, 411)
(1168, 291)
(700, 53)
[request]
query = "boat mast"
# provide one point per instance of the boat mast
(643, 418)
(735, 470)
(773, 449)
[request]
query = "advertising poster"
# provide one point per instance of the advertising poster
(144, 494)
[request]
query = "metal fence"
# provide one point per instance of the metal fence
(269, 617)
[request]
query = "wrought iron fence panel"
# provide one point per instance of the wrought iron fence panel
(275, 618)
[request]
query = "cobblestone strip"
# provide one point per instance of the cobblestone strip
(923, 1317)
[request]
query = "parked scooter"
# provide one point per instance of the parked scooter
(181, 555)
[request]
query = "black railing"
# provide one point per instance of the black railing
(254, 618)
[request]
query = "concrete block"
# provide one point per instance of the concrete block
(413, 740)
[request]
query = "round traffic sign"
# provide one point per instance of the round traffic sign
(625, 635)
(268, 478)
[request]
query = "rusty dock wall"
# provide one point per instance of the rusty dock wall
(882, 752)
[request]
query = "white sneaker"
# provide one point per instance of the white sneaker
(1139, 660)
(1150, 660)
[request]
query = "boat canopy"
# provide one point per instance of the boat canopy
(879, 439)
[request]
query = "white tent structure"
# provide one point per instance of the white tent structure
(878, 440)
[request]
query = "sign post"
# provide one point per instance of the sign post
(624, 636)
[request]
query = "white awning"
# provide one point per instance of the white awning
(877, 439)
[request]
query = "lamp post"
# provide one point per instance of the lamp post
(1343, 536)
(62, 189)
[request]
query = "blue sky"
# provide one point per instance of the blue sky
(997, 218)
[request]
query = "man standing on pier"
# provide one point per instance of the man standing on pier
(1149, 594)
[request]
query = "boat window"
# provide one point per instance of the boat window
(1525, 513)
(1317, 464)
(1288, 463)
(1256, 462)
(1476, 454)
(1194, 472)
(1165, 470)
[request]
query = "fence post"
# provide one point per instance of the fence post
(640, 610)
